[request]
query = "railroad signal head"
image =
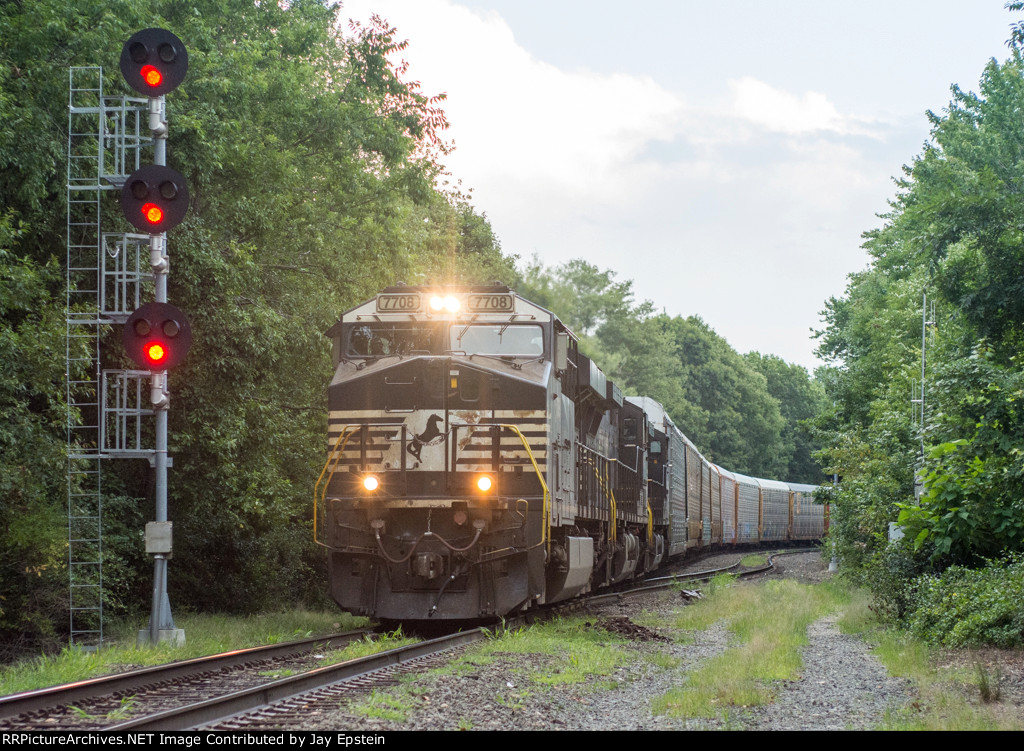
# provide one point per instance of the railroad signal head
(157, 336)
(154, 199)
(154, 62)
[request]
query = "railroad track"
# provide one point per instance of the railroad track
(100, 703)
(237, 690)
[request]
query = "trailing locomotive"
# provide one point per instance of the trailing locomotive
(479, 464)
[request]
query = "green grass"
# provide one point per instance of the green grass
(769, 624)
(368, 645)
(204, 634)
(573, 651)
(948, 699)
(581, 650)
(753, 561)
(394, 705)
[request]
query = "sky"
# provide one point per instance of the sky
(724, 156)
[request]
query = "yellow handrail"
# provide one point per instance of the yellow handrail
(650, 524)
(334, 454)
(612, 506)
(546, 522)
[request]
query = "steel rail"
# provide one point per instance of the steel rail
(665, 582)
(223, 707)
(46, 698)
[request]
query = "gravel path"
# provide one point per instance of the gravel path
(842, 685)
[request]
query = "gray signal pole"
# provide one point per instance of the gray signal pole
(159, 532)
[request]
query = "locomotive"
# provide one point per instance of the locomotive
(479, 464)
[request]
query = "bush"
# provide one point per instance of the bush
(971, 607)
(891, 575)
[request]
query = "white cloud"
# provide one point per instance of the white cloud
(784, 112)
(512, 114)
(745, 190)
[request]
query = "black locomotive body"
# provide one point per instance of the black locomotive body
(478, 464)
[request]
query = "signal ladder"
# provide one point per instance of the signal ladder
(107, 273)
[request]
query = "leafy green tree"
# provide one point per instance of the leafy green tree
(314, 172)
(801, 399)
(953, 232)
(973, 507)
(33, 557)
(716, 397)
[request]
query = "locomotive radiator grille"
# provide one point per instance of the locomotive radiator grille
(470, 442)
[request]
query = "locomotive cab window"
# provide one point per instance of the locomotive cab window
(629, 431)
(383, 339)
(498, 339)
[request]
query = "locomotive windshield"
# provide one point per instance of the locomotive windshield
(498, 339)
(381, 339)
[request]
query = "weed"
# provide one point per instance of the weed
(82, 713)
(512, 700)
(127, 705)
(283, 673)
(384, 706)
(989, 686)
(368, 645)
(719, 582)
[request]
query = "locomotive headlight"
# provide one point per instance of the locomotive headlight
(371, 483)
(484, 483)
(449, 303)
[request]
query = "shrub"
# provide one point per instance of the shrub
(891, 575)
(967, 607)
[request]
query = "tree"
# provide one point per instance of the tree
(714, 396)
(953, 231)
(801, 399)
(312, 166)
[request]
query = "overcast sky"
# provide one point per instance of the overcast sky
(724, 155)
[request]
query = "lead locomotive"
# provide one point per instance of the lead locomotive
(479, 464)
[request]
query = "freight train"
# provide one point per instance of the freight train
(479, 464)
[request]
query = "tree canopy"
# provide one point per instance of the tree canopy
(744, 413)
(316, 177)
(953, 233)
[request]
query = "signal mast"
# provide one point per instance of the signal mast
(157, 335)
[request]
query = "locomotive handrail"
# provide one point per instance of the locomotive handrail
(335, 454)
(612, 506)
(650, 524)
(544, 535)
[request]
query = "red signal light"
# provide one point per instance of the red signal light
(154, 62)
(156, 353)
(157, 336)
(154, 199)
(153, 213)
(152, 75)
